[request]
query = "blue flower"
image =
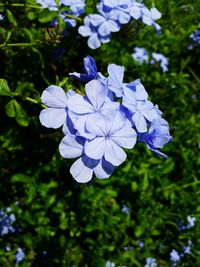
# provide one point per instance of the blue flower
(195, 37)
(150, 262)
(157, 136)
(50, 4)
(149, 17)
(142, 111)
(174, 256)
(83, 169)
(6, 221)
(136, 10)
(191, 221)
(140, 55)
(90, 70)
(157, 57)
(112, 131)
(1, 17)
(19, 256)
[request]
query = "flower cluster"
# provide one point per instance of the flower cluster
(151, 262)
(6, 220)
(195, 38)
(97, 127)
(175, 256)
(19, 255)
(112, 14)
(141, 55)
(191, 223)
(76, 8)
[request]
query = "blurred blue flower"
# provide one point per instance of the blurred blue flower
(136, 9)
(125, 209)
(191, 221)
(110, 264)
(150, 262)
(140, 55)
(6, 221)
(149, 17)
(157, 57)
(195, 37)
(174, 256)
(19, 256)
(1, 17)
(76, 8)
(90, 70)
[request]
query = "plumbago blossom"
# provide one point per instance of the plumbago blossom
(97, 127)
(141, 55)
(112, 14)
(76, 8)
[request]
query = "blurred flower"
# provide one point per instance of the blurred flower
(150, 262)
(1, 17)
(174, 256)
(149, 17)
(140, 55)
(110, 264)
(195, 38)
(191, 221)
(157, 57)
(125, 209)
(19, 256)
(6, 221)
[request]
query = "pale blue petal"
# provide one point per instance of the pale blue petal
(155, 13)
(80, 172)
(104, 169)
(114, 153)
(52, 117)
(54, 96)
(96, 19)
(80, 125)
(96, 93)
(96, 124)
(125, 137)
(79, 105)
(116, 74)
(95, 149)
(113, 25)
(70, 148)
(140, 122)
(85, 31)
(115, 120)
(147, 20)
(93, 41)
(104, 29)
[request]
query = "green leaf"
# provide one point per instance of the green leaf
(4, 88)
(13, 109)
(46, 15)
(20, 114)
(31, 15)
(11, 18)
(10, 109)
(21, 177)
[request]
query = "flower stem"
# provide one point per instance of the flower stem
(21, 5)
(17, 44)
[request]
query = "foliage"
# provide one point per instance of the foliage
(60, 222)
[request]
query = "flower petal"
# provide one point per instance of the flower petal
(96, 93)
(52, 117)
(104, 169)
(93, 41)
(55, 97)
(125, 137)
(70, 147)
(78, 104)
(95, 149)
(114, 153)
(80, 172)
(140, 122)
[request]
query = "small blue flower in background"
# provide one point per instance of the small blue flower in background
(6, 220)
(157, 57)
(150, 262)
(113, 14)
(76, 9)
(110, 264)
(97, 126)
(174, 256)
(140, 55)
(149, 17)
(1, 17)
(195, 38)
(191, 221)
(19, 255)
(125, 209)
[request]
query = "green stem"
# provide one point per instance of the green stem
(182, 186)
(194, 74)
(17, 44)
(32, 100)
(22, 5)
